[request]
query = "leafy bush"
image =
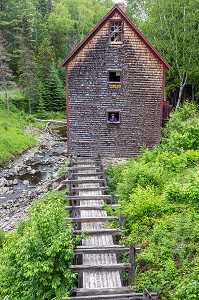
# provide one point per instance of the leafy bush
(159, 194)
(36, 258)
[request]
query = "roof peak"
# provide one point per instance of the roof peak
(99, 26)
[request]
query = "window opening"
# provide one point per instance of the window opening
(116, 31)
(114, 76)
(113, 117)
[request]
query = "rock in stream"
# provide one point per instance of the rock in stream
(28, 177)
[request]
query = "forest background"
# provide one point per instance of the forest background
(36, 35)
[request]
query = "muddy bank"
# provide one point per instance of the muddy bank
(31, 175)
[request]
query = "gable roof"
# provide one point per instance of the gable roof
(114, 9)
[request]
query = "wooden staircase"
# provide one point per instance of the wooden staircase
(100, 275)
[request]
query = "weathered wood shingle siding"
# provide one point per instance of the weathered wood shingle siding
(138, 97)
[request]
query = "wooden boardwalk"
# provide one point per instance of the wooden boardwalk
(100, 275)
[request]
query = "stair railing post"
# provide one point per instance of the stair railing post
(131, 275)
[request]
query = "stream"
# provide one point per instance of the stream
(30, 176)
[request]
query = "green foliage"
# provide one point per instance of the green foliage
(159, 193)
(2, 236)
(36, 258)
(38, 36)
(183, 130)
(13, 140)
(62, 169)
(176, 40)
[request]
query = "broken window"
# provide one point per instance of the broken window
(116, 31)
(114, 76)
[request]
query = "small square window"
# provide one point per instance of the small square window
(113, 116)
(116, 31)
(114, 76)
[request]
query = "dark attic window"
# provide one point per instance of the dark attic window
(116, 32)
(115, 76)
(113, 117)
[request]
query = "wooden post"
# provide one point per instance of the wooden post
(131, 277)
(122, 220)
(112, 198)
(80, 279)
(69, 186)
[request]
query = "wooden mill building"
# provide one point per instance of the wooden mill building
(115, 90)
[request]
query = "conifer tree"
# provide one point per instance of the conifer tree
(55, 92)
(6, 76)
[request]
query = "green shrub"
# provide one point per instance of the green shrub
(2, 237)
(159, 193)
(36, 258)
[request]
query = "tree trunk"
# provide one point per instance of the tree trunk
(183, 82)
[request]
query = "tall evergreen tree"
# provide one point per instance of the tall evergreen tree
(28, 79)
(6, 76)
(55, 100)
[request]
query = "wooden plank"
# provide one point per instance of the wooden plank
(104, 291)
(92, 219)
(94, 207)
(131, 274)
(90, 197)
(79, 181)
(100, 188)
(102, 249)
(82, 168)
(130, 296)
(98, 232)
(86, 174)
(84, 162)
(107, 267)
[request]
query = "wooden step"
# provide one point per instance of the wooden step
(102, 291)
(75, 174)
(83, 168)
(130, 296)
(83, 158)
(102, 249)
(94, 207)
(92, 197)
(100, 188)
(79, 181)
(90, 268)
(92, 219)
(86, 162)
(98, 232)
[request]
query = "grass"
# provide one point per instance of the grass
(13, 139)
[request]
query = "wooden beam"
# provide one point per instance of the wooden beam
(100, 188)
(130, 296)
(90, 268)
(94, 207)
(84, 162)
(92, 197)
(87, 174)
(102, 249)
(79, 181)
(92, 219)
(103, 291)
(83, 168)
(98, 232)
